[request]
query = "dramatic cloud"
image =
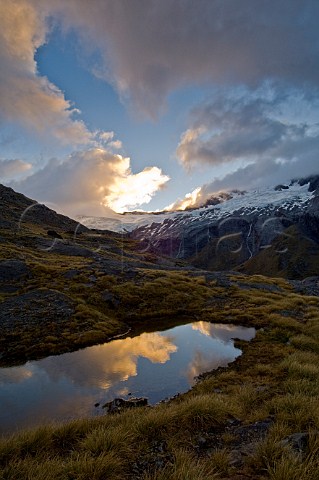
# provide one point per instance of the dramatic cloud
(193, 198)
(150, 47)
(254, 136)
(89, 181)
(27, 98)
(256, 175)
(13, 168)
(229, 129)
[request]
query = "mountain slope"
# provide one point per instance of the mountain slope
(240, 229)
(18, 211)
(291, 255)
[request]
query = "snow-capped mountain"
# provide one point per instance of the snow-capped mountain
(230, 229)
(267, 201)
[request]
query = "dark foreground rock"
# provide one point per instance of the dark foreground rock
(119, 404)
(13, 270)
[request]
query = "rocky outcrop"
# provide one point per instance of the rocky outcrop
(119, 404)
(13, 270)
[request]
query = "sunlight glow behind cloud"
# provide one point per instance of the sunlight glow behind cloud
(131, 190)
(89, 181)
(191, 199)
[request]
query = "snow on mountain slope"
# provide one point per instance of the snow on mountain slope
(262, 201)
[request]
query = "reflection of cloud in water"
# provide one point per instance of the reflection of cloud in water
(104, 365)
(222, 349)
(14, 374)
(224, 333)
(204, 363)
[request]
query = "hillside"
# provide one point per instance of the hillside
(235, 230)
(63, 287)
(245, 231)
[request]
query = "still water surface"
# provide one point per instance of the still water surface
(155, 365)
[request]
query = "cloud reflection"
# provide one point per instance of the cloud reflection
(15, 374)
(156, 365)
(224, 333)
(223, 347)
(105, 365)
(204, 363)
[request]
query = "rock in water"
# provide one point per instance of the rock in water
(119, 404)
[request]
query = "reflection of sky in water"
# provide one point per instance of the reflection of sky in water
(155, 365)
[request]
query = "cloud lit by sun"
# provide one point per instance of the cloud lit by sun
(191, 199)
(129, 190)
(93, 181)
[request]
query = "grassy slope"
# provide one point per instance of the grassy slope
(276, 378)
(138, 292)
(291, 255)
(88, 324)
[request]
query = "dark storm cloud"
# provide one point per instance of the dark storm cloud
(246, 128)
(152, 47)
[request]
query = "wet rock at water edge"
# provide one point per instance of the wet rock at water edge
(119, 404)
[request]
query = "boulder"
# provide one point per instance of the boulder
(54, 234)
(119, 404)
(13, 270)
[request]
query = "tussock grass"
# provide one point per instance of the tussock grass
(247, 398)
(220, 461)
(292, 466)
(185, 467)
(86, 467)
(297, 410)
(306, 387)
(302, 365)
(281, 462)
(201, 410)
(115, 439)
(306, 342)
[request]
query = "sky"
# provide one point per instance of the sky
(148, 104)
